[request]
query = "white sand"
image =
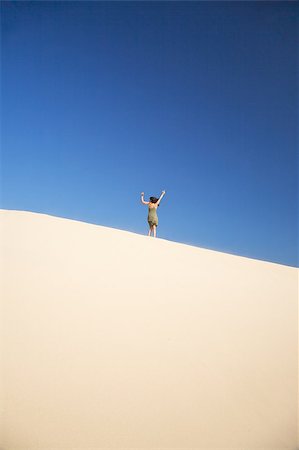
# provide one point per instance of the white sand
(114, 340)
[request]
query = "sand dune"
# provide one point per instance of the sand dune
(115, 340)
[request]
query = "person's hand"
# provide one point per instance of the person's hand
(142, 193)
(163, 192)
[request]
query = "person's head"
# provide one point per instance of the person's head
(153, 199)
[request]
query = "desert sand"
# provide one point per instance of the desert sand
(114, 340)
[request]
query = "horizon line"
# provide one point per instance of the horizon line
(139, 234)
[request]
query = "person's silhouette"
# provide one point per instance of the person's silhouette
(152, 217)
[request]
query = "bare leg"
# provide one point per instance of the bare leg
(155, 230)
(150, 231)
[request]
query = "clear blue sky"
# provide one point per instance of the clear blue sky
(103, 100)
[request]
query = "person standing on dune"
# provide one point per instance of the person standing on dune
(152, 217)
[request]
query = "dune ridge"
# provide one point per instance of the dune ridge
(116, 340)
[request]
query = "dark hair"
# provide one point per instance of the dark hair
(153, 199)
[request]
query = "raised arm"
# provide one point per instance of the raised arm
(161, 196)
(142, 199)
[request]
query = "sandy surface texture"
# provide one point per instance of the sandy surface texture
(114, 340)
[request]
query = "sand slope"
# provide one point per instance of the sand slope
(117, 340)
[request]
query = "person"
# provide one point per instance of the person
(152, 217)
